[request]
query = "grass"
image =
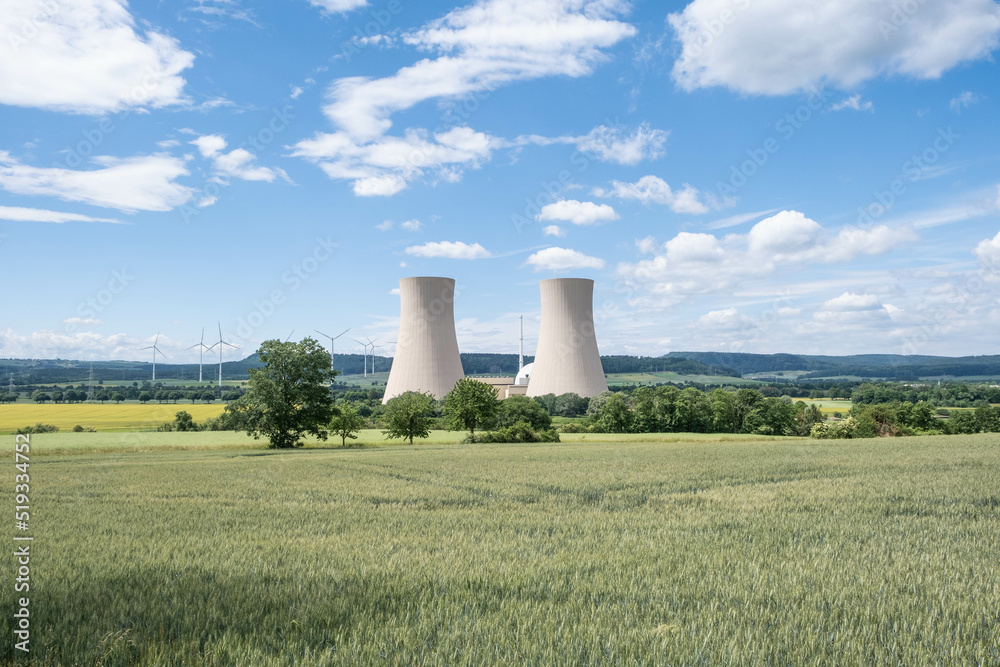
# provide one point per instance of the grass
(103, 417)
(829, 405)
(691, 552)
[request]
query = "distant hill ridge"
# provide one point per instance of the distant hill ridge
(862, 365)
(49, 371)
(721, 364)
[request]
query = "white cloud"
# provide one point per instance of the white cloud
(237, 163)
(646, 246)
(209, 145)
(449, 250)
(553, 230)
(739, 219)
(21, 214)
(577, 212)
(384, 226)
(697, 263)
(480, 47)
(963, 101)
(338, 6)
(296, 91)
(988, 253)
(86, 57)
(852, 301)
(562, 259)
(614, 145)
(83, 321)
(411, 225)
(167, 143)
(378, 186)
(853, 102)
(654, 190)
(784, 46)
(144, 183)
(729, 319)
(853, 311)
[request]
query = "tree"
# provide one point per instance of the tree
(184, 422)
(145, 397)
(41, 397)
(521, 408)
(117, 397)
(347, 423)
(470, 404)
(616, 414)
(408, 415)
(289, 395)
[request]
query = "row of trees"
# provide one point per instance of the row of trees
(672, 410)
(105, 395)
(954, 394)
(904, 418)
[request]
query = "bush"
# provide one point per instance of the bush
(520, 431)
(38, 428)
(522, 409)
(84, 429)
(572, 428)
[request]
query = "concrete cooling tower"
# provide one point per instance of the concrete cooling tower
(567, 359)
(426, 358)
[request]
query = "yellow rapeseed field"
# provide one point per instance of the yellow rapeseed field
(103, 417)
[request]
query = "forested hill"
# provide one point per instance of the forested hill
(897, 366)
(50, 371)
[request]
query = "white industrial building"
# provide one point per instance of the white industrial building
(426, 357)
(567, 359)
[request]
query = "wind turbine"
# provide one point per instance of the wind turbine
(372, 343)
(222, 343)
(365, 345)
(332, 338)
(155, 350)
(201, 351)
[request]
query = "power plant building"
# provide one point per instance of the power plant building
(426, 358)
(567, 359)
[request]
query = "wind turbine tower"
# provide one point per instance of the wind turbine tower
(221, 343)
(520, 346)
(332, 338)
(155, 350)
(201, 351)
(365, 357)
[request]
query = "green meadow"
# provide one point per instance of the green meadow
(591, 552)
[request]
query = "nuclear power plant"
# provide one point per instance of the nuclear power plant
(426, 358)
(567, 359)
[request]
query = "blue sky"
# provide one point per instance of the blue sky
(776, 176)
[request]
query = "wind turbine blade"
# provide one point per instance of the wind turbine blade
(321, 333)
(342, 333)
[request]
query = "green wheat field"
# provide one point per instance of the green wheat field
(682, 552)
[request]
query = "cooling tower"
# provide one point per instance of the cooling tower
(566, 359)
(426, 358)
